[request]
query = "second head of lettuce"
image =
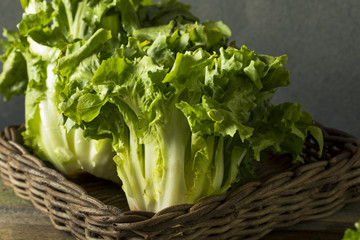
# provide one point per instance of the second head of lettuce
(53, 30)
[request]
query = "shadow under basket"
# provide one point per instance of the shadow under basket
(286, 194)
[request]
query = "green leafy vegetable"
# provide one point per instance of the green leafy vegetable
(187, 121)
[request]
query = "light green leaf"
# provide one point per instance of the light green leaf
(69, 62)
(89, 106)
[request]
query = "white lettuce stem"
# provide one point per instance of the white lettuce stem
(153, 172)
(51, 136)
(130, 171)
(208, 173)
(218, 176)
(136, 164)
(174, 140)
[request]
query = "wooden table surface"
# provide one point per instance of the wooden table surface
(19, 220)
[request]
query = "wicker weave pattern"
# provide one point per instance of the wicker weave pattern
(285, 197)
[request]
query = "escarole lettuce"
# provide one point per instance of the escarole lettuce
(30, 59)
(187, 118)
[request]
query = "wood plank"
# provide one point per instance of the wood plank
(31, 232)
(19, 219)
(19, 216)
(9, 198)
(330, 228)
(303, 235)
(349, 213)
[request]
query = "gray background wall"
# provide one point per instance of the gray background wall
(320, 37)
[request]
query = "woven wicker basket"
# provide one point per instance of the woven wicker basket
(285, 195)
